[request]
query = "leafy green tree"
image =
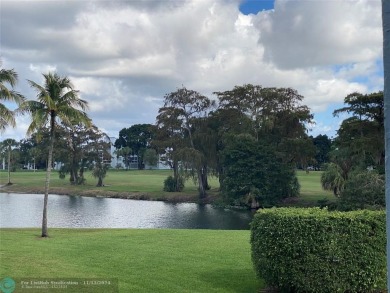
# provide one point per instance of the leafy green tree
(84, 145)
(185, 107)
(254, 175)
(168, 141)
(8, 78)
(276, 116)
(361, 136)
(138, 138)
(322, 145)
(57, 100)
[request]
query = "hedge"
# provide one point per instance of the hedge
(314, 250)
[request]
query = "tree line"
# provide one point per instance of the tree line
(251, 137)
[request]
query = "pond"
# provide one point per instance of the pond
(25, 210)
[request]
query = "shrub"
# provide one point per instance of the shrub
(171, 185)
(363, 190)
(314, 250)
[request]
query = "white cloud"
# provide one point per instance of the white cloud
(315, 33)
(124, 56)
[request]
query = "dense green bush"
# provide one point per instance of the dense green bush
(171, 185)
(365, 190)
(253, 173)
(314, 250)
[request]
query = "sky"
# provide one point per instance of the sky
(124, 56)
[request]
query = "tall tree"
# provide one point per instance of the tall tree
(168, 141)
(361, 136)
(8, 78)
(277, 116)
(57, 100)
(187, 107)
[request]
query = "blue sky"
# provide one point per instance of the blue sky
(253, 6)
(124, 56)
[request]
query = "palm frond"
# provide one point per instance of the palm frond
(8, 76)
(6, 117)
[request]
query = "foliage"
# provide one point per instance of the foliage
(323, 145)
(137, 139)
(363, 190)
(173, 185)
(178, 118)
(332, 179)
(124, 152)
(276, 116)
(8, 79)
(150, 157)
(253, 174)
(83, 145)
(313, 250)
(99, 171)
(360, 138)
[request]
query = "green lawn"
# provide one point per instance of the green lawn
(311, 190)
(146, 184)
(142, 260)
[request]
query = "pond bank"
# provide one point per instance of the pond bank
(172, 197)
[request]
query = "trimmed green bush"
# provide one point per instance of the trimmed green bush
(314, 250)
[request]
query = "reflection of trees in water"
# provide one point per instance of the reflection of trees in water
(207, 217)
(77, 211)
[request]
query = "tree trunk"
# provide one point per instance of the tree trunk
(176, 175)
(100, 182)
(48, 173)
(202, 189)
(9, 165)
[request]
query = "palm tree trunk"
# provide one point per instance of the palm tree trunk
(9, 165)
(48, 173)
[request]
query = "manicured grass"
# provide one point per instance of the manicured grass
(141, 260)
(146, 184)
(311, 190)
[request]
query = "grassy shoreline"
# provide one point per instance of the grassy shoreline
(146, 185)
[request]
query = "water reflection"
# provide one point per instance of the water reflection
(25, 210)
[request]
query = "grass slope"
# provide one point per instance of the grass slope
(142, 260)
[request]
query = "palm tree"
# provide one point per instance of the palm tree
(332, 179)
(8, 77)
(7, 145)
(57, 100)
